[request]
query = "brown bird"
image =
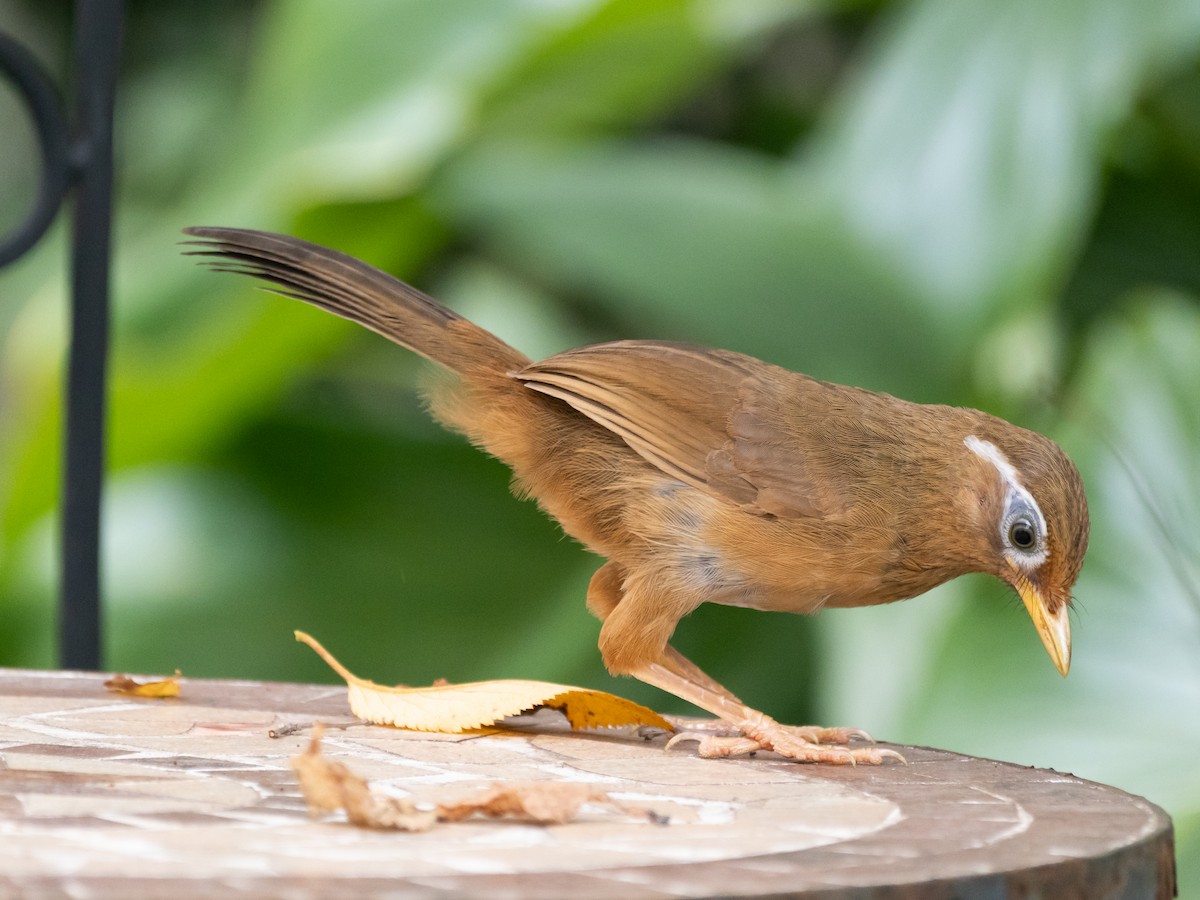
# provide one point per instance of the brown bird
(707, 476)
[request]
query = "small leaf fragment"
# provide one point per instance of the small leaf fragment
(158, 690)
(329, 786)
(545, 803)
(454, 708)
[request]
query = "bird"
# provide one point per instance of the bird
(708, 476)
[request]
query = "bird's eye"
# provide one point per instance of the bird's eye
(1022, 534)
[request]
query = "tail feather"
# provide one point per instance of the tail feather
(350, 288)
(495, 411)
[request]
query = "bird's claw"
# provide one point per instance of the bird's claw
(793, 743)
(715, 746)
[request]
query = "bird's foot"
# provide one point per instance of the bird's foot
(804, 743)
(815, 734)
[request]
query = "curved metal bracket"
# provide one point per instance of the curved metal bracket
(45, 109)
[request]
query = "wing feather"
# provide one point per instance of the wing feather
(716, 420)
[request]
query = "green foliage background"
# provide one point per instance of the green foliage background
(986, 203)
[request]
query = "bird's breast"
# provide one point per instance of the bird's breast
(723, 553)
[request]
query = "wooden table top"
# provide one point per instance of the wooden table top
(107, 795)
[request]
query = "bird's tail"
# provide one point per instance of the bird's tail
(350, 288)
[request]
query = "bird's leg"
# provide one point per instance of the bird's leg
(634, 642)
(604, 593)
(678, 664)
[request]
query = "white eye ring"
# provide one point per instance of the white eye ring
(1023, 528)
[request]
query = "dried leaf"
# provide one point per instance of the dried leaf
(545, 802)
(159, 690)
(453, 708)
(329, 786)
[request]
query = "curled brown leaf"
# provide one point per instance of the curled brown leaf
(329, 786)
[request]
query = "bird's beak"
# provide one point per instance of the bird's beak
(1054, 628)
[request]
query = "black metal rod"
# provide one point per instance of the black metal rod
(97, 43)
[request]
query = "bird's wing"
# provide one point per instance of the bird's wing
(719, 421)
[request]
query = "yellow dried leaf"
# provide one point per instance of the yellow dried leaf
(329, 786)
(159, 690)
(453, 708)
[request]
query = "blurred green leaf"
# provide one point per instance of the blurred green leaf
(422, 540)
(741, 255)
(1146, 232)
(967, 152)
(618, 66)
(348, 105)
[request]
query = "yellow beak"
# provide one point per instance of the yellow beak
(1054, 628)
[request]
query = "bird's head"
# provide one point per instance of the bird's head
(1033, 503)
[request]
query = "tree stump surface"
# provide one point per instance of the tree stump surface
(108, 795)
